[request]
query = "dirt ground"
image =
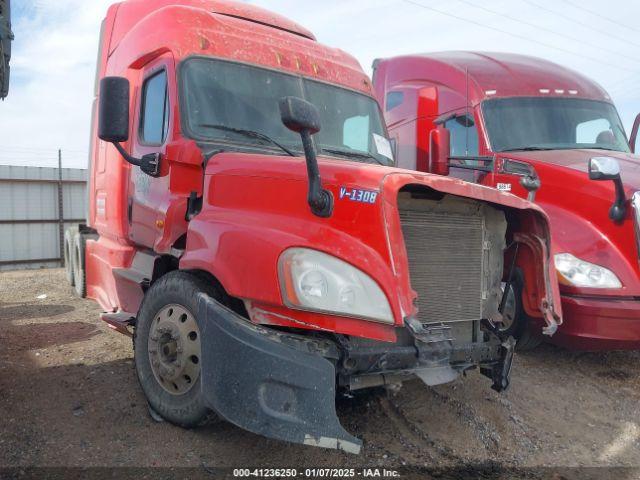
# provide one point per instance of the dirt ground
(69, 397)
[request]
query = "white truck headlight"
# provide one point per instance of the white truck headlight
(312, 280)
(580, 273)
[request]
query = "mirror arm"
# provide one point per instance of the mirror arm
(149, 164)
(132, 160)
(320, 200)
(302, 117)
(618, 209)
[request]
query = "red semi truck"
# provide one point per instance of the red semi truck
(248, 229)
(514, 122)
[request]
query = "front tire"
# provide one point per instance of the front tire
(516, 322)
(167, 348)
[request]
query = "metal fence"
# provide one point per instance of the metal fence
(36, 206)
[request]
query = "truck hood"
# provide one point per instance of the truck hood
(579, 160)
(337, 174)
(255, 207)
(579, 212)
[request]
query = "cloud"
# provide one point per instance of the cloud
(53, 68)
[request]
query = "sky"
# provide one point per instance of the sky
(55, 50)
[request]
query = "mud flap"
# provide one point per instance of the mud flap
(257, 379)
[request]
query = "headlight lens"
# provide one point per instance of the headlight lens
(578, 273)
(313, 280)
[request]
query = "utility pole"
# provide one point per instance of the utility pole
(60, 208)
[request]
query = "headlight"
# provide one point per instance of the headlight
(313, 280)
(578, 273)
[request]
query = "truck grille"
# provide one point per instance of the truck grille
(446, 260)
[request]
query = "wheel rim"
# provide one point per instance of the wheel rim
(174, 349)
(509, 311)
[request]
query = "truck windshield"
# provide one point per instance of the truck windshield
(525, 123)
(218, 93)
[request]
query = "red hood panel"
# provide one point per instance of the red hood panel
(579, 160)
(360, 175)
(579, 211)
(267, 195)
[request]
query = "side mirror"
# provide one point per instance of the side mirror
(302, 117)
(113, 122)
(439, 151)
(606, 168)
(299, 115)
(113, 116)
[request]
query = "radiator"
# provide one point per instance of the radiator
(446, 262)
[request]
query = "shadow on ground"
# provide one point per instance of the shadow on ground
(92, 415)
(18, 311)
(44, 335)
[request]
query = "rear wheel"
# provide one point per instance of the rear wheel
(68, 255)
(516, 322)
(78, 261)
(167, 348)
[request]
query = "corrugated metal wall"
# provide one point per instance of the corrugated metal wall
(29, 213)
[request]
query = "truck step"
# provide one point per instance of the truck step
(132, 275)
(141, 270)
(119, 321)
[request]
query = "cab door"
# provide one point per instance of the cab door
(149, 197)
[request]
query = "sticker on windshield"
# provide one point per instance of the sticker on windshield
(358, 195)
(383, 146)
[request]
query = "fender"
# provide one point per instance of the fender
(592, 245)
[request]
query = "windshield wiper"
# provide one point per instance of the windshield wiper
(249, 133)
(353, 153)
(526, 149)
(609, 149)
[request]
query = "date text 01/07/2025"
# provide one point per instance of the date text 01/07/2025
(358, 195)
(315, 473)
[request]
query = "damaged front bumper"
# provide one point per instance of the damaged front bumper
(431, 352)
(274, 384)
(283, 386)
